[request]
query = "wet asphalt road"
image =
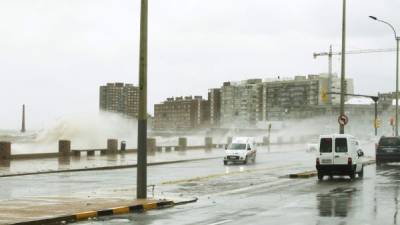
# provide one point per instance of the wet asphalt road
(257, 193)
(371, 200)
(82, 183)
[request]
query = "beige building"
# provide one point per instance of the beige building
(181, 113)
(120, 98)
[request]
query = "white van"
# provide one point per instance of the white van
(339, 154)
(242, 149)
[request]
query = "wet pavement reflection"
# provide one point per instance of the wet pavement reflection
(336, 203)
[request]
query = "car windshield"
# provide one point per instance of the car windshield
(236, 146)
(326, 145)
(341, 145)
(390, 141)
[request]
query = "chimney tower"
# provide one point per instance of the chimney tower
(23, 119)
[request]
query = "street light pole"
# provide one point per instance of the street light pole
(397, 86)
(343, 67)
(397, 38)
(141, 183)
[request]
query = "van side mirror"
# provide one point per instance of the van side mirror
(249, 149)
(360, 153)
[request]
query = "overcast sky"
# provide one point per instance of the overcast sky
(54, 54)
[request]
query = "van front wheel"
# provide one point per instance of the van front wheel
(361, 173)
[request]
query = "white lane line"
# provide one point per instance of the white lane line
(221, 222)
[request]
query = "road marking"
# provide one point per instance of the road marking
(221, 222)
(227, 174)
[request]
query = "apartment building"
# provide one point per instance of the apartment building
(240, 102)
(120, 98)
(181, 113)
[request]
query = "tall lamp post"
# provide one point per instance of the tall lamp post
(397, 38)
(141, 184)
(343, 67)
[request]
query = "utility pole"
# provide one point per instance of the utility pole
(343, 67)
(23, 129)
(141, 185)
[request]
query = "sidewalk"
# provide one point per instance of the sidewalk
(51, 210)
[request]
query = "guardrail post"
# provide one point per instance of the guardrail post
(151, 145)
(112, 146)
(265, 140)
(182, 143)
(229, 140)
(64, 148)
(5, 150)
(280, 140)
(208, 142)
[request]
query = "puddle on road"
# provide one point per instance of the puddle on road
(336, 203)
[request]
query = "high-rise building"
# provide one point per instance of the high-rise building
(240, 102)
(181, 113)
(120, 98)
(214, 99)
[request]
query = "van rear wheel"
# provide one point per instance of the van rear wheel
(352, 175)
(320, 176)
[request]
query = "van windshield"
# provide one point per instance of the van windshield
(325, 145)
(341, 145)
(237, 146)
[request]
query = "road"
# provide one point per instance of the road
(372, 200)
(259, 193)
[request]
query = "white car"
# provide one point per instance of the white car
(242, 149)
(339, 154)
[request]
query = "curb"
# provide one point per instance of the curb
(82, 216)
(307, 174)
(313, 173)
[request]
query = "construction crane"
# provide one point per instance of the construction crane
(330, 54)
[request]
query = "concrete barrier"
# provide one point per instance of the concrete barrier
(151, 145)
(208, 142)
(64, 148)
(182, 143)
(5, 150)
(112, 146)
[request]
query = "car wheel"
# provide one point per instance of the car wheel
(320, 176)
(246, 160)
(352, 175)
(361, 173)
(225, 162)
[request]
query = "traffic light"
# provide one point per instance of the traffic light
(324, 96)
(377, 123)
